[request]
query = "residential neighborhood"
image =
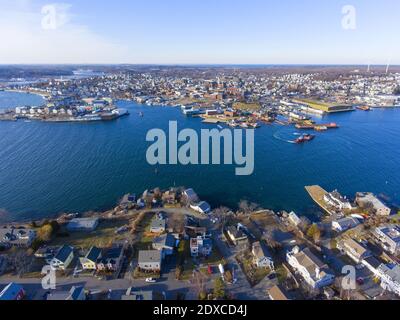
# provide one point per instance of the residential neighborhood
(170, 244)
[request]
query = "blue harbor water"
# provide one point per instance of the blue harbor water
(49, 168)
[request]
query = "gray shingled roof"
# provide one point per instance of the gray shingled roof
(149, 256)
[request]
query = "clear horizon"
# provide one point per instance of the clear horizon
(179, 32)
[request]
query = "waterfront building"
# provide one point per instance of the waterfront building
(336, 200)
(389, 238)
(294, 219)
(324, 106)
(365, 200)
(83, 224)
(314, 271)
(12, 237)
(191, 196)
(202, 207)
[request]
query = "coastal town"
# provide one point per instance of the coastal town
(172, 245)
(235, 97)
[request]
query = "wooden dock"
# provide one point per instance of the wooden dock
(317, 194)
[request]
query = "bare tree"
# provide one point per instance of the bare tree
(247, 207)
(20, 262)
(223, 214)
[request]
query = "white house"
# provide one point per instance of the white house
(294, 219)
(344, 224)
(200, 246)
(150, 260)
(190, 195)
(354, 250)
(202, 207)
(262, 259)
(336, 200)
(313, 270)
(63, 258)
(390, 278)
(389, 238)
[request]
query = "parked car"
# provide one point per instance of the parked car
(151, 280)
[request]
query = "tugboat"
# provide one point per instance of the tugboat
(304, 138)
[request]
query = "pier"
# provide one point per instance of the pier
(317, 194)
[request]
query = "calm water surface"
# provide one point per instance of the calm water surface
(48, 168)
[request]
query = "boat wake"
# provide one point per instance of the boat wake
(276, 136)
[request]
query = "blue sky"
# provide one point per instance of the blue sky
(206, 31)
